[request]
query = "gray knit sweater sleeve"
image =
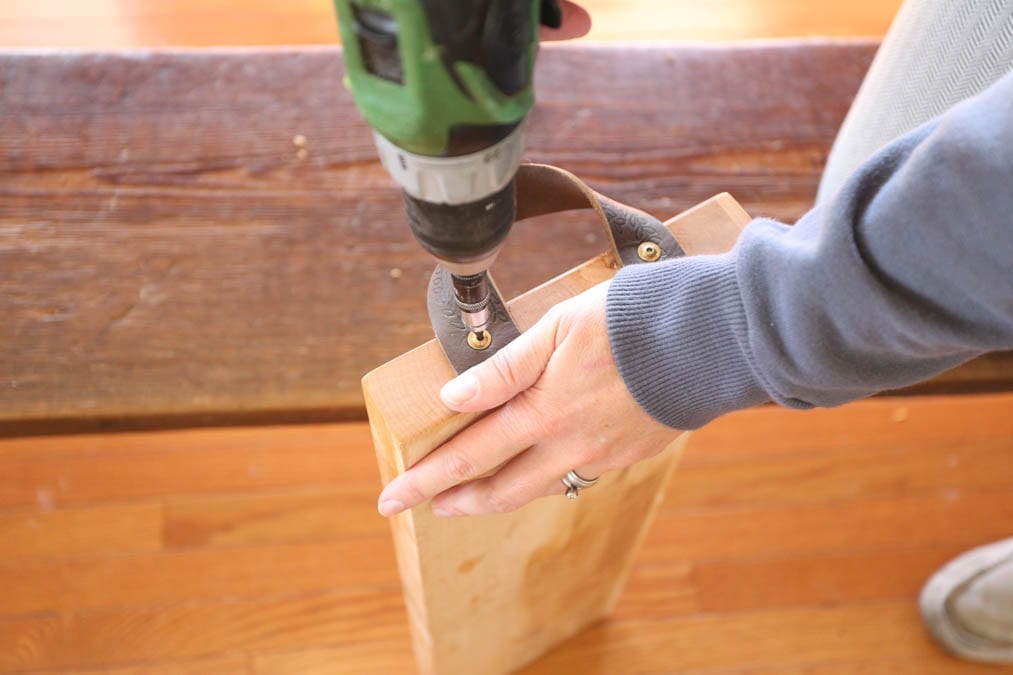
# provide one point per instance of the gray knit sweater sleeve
(907, 271)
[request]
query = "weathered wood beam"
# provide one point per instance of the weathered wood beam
(169, 257)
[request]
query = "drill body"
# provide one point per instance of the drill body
(446, 86)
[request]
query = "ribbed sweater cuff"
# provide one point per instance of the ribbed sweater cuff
(679, 336)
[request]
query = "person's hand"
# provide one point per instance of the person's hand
(563, 406)
(576, 23)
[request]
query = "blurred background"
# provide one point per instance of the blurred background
(150, 23)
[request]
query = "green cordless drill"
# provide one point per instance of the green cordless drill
(446, 86)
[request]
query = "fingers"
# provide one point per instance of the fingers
(475, 451)
(576, 23)
(495, 438)
(538, 472)
(507, 373)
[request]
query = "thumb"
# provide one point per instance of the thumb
(506, 373)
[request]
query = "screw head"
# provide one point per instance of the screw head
(649, 251)
(479, 342)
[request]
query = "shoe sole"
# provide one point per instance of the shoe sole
(935, 604)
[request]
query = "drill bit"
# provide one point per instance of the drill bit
(471, 292)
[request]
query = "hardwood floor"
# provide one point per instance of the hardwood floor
(108, 24)
(788, 543)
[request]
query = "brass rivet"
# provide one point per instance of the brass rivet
(649, 251)
(479, 343)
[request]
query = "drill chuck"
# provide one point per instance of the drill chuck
(465, 238)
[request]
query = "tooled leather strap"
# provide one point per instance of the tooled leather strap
(635, 237)
(544, 189)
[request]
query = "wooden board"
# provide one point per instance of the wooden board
(510, 586)
(812, 567)
(167, 259)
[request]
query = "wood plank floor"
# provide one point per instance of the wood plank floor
(788, 543)
(110, 24)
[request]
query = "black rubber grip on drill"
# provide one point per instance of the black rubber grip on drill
(462, 232)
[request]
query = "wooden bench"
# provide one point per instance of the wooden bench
(170, 256)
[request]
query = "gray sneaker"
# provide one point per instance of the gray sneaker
(968, 604)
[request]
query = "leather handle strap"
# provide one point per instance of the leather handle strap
(544, 189)
(634, 236)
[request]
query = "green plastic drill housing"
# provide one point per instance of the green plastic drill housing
(440, 77)
(445, 86)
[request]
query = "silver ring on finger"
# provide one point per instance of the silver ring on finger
(575, 483)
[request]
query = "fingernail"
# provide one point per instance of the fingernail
(443, 512)
(390, 507)
(460, 390)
